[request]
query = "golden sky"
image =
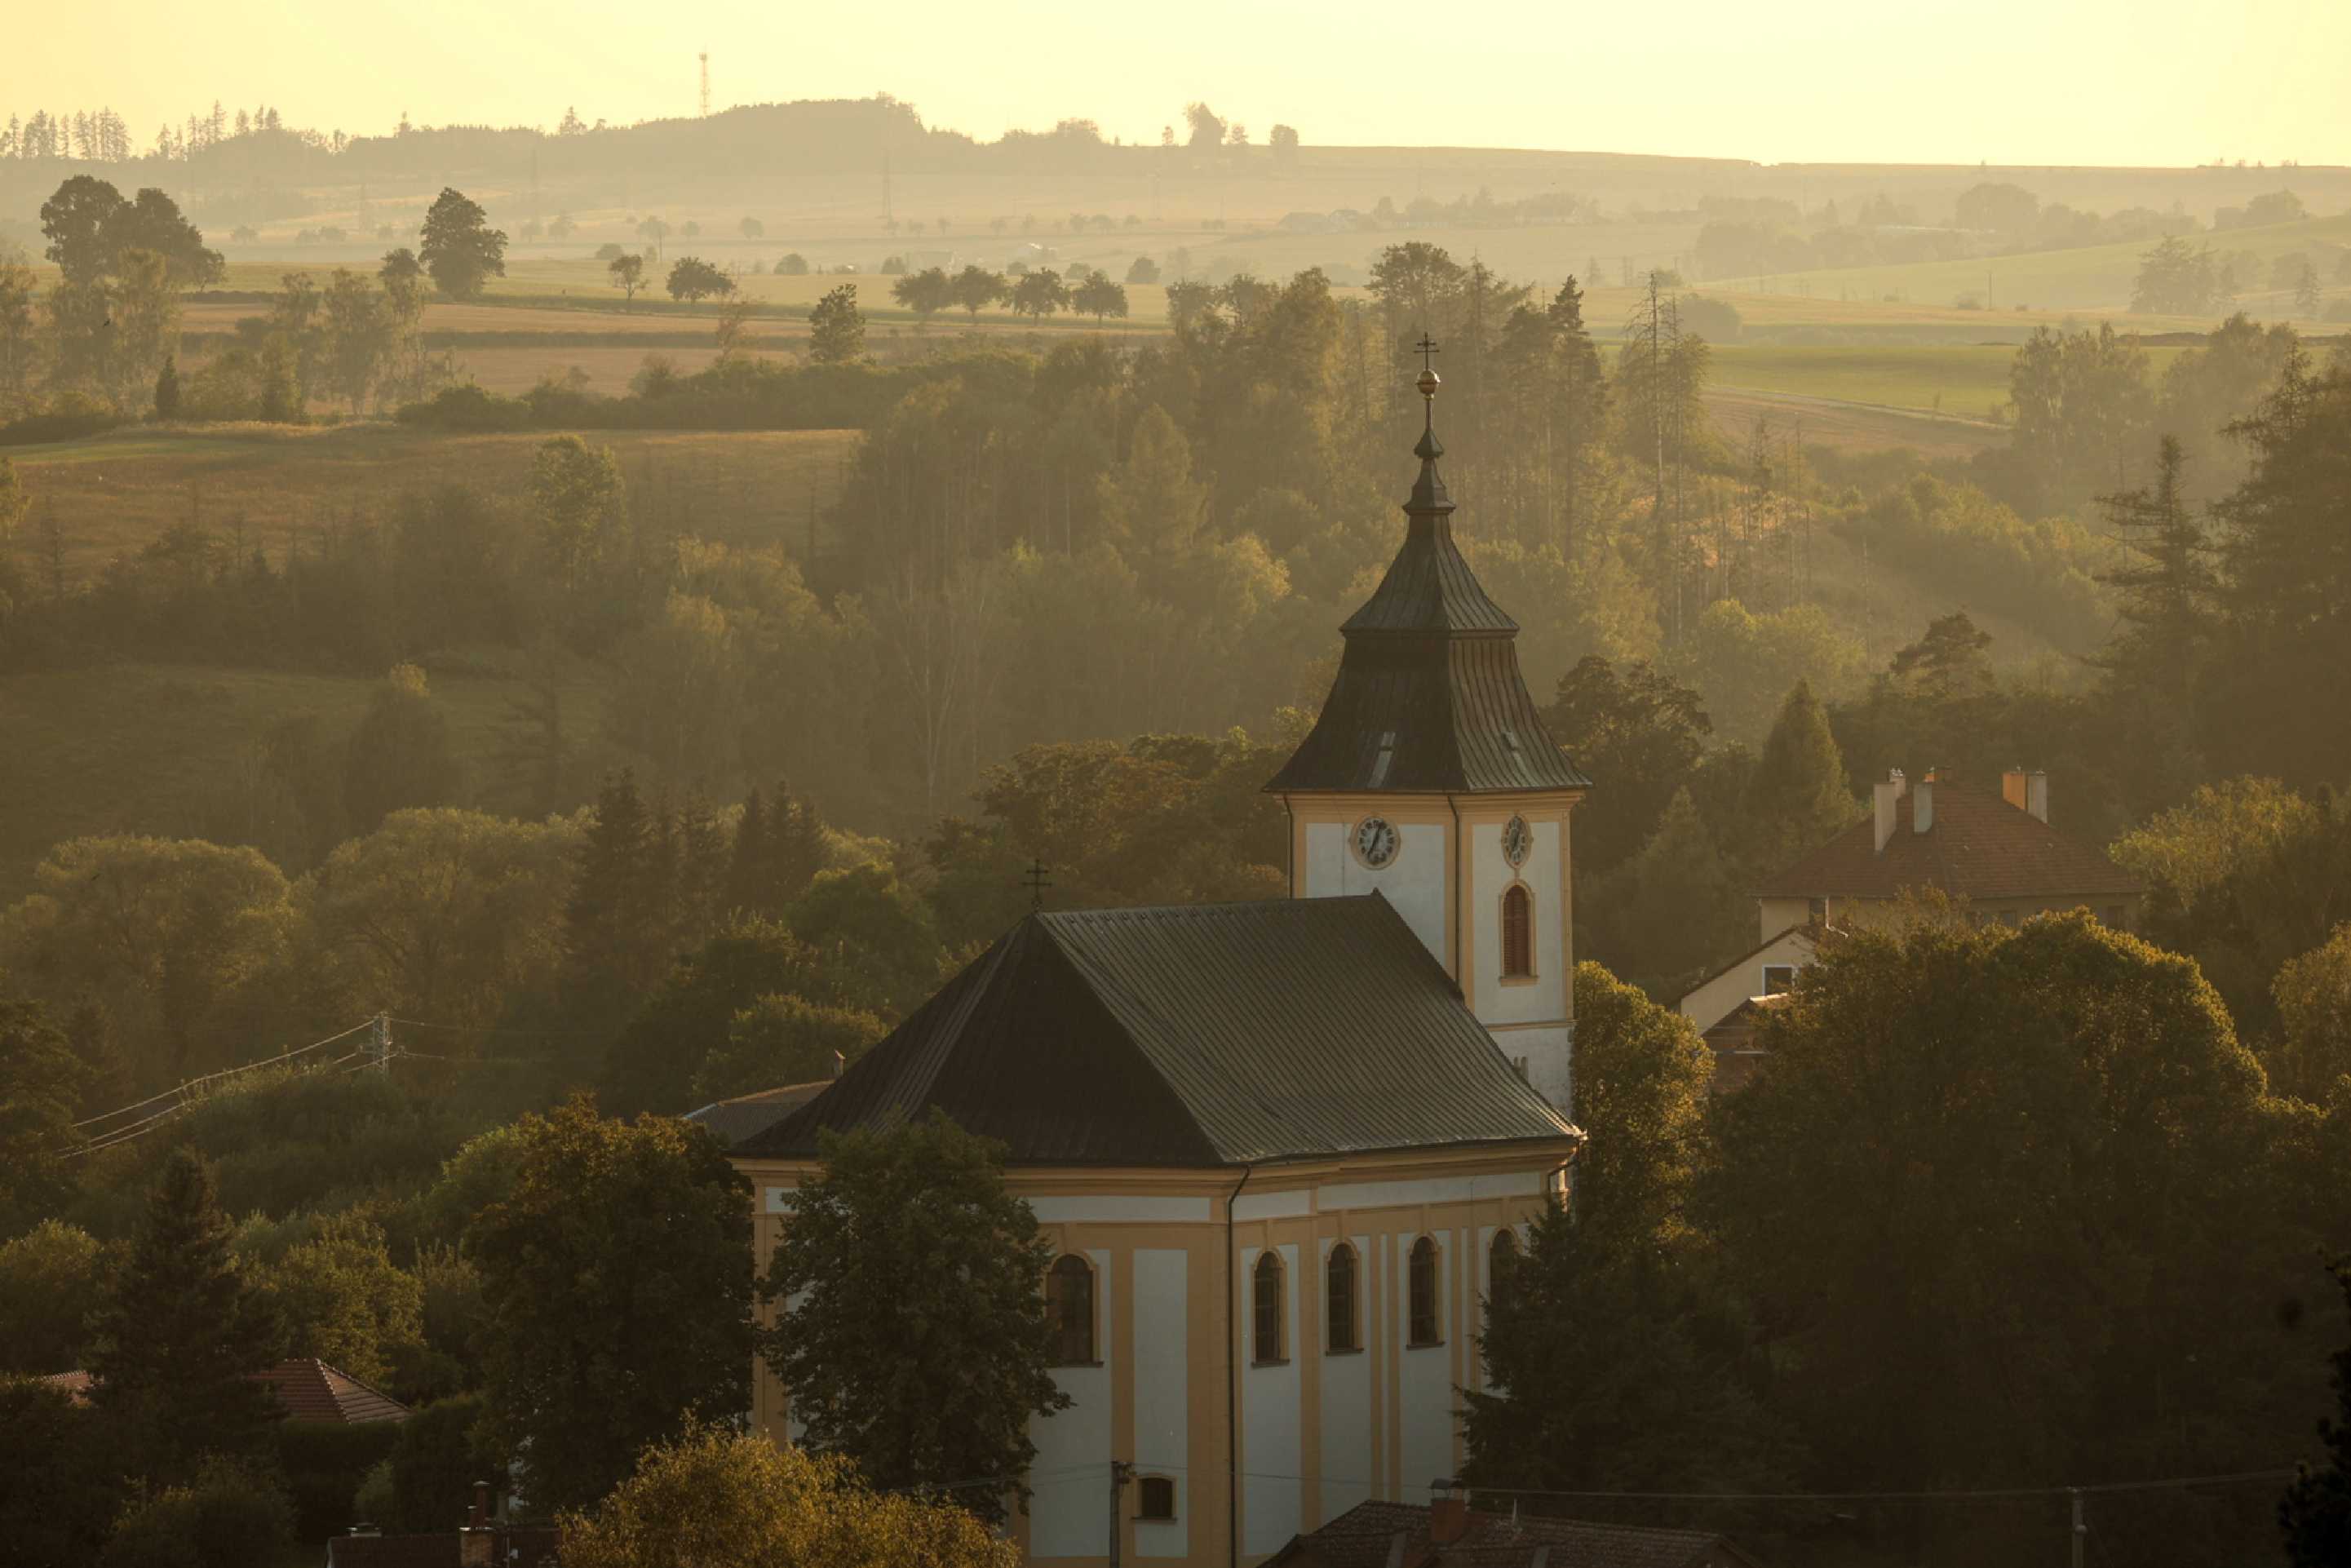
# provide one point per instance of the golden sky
(2004, 81)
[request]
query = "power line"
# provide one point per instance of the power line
(181, 1092)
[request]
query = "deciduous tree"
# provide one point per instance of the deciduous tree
(617, 1275)
(837, 328)
(921, 1375)
(459, 248)
(720, 1499)
(693, 279)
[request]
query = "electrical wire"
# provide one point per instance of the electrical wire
(181, 1091)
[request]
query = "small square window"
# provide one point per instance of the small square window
(1154, 1498)
(1779, 979)
(2114, 917)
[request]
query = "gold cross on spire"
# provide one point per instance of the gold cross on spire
(1427, 349)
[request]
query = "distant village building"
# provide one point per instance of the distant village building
(1277, 1148)
(1995, 853)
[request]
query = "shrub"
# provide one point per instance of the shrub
(324, 1463)
(228, 1517)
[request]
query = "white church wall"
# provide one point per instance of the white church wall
(1544, 997)
(1423, 1376)
(1414, 881)
(1161, 1392)
(1069, 1514)
(1273, 1455)
(1349, 1462)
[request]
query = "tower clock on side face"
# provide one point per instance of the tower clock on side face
(1375, 842)
(1516, 839)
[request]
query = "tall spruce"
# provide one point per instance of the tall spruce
(41, 1078)
(617, 926)
(182, 1334)
(1796, 798)
(2165, 591)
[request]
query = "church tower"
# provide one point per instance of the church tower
(1429, 778)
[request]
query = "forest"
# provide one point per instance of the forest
(722, 809)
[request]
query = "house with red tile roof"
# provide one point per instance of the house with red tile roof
(1996, 854)
(308, 1389)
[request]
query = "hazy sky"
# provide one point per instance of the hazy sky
(2017, 81)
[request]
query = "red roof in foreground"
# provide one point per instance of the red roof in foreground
(1369, 1535)
(1978, 847)
(311, 1390)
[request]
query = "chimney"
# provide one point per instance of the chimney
(2011, 787)
(2036, 795)
(1448, 1520)
(1887, 791)
(1922, 806)
(478, 1544)
(838, 1064)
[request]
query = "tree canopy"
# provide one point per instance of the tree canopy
(911, 1325)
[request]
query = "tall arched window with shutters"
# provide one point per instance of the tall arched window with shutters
(1424, 1326)
(1265, 1337)
(1070, 1310)
(1518, 933)
(1339, 1287)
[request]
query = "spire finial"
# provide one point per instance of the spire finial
(1429, 381)
(1428, 449)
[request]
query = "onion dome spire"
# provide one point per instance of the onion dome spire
(1429, 495)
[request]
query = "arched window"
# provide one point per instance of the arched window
(1070, 1309)
(1518, 933)
(1339, 1280)
(1501, 1260)
(1423, 1274)
(1265, 1340)
(1156, 1497)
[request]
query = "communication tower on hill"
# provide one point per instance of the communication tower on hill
(704, 58)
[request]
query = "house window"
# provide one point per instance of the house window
(1266, 1338)
(1817, 911)
(2113, 917)
(1778, 979)
(1423, 1274)
(1338, 1289)
(1501, 1262)
(1518, 933)
(1070, 1309)
(1154, 1498)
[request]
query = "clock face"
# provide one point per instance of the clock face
(1375, 842)
(1516, 839)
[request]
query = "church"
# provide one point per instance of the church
(1277, 1148)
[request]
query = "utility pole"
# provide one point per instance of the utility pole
(1120, 1472)
(2081, 1531)
(704, 58)
(379, 1043)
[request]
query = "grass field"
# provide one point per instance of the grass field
(265, 483)
(2088, 277)
(1968, 380)
(164, 749)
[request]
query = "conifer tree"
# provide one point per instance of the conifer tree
(182, 1334)
(167, 389)
(1796, 798)
(2166, 593)
(744, 864)
(617, 933)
